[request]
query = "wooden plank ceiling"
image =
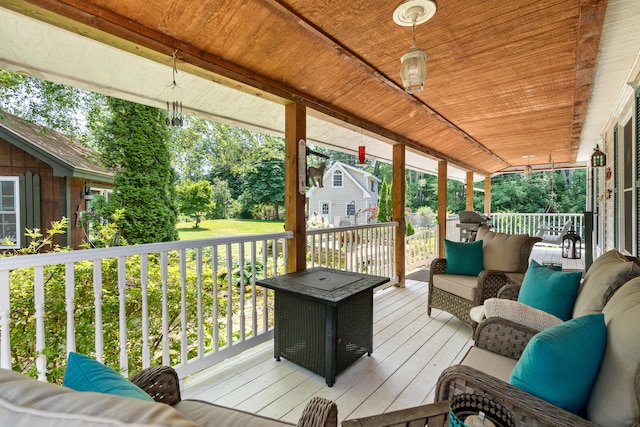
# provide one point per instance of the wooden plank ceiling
(506, 79)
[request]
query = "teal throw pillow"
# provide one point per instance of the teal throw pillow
(550, 290)
(86, 374)
(464, 257)
(560, 364)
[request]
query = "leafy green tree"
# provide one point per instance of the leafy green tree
(409, 231)
(134, 143)
(194, 199)
(56, 106)
(264, 180)
(384, 202)
(223, 203)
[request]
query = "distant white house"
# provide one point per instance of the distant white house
(345, 193)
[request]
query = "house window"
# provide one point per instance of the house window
(351, 209)
(373, 187)
(337, 179)
(324, 208)
(9, 214)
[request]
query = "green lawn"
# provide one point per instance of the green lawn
(227, 227)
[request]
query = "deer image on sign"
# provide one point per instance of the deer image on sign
(314, 174)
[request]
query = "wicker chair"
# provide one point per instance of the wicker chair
(488, 282)
(508, 339)
(163, 385)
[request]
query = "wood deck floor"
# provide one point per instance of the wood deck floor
(410, 351)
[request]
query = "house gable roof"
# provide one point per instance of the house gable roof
(349, 172)
(67, 157)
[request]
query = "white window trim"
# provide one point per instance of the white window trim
(16, 186)
(333, 182)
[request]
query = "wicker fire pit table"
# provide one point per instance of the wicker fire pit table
(323, 318)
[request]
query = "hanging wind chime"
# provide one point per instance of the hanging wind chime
(174, 106)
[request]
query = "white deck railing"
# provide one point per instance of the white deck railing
(421, 248)
(187, 304)
(366, 249)
(173, 303)
(523, 223)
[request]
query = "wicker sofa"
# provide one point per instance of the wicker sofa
(611, 285)
(457, 294)
(27, 402)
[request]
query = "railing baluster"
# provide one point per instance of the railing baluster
(254, 298)
(165, 308)
(184, 339)
(69, 284)
(229, 296)
(122, 288)
(144, 291)
(241, 291)
(41, 359)
(200, 314)
(265, 270)
(216, 310)
(5, 320)
(97, 304)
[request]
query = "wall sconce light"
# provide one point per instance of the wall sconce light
(87, 194)
(598, 158)
(414, 62)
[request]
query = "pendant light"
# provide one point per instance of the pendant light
(413, 70)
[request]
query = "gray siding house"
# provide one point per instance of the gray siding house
(345, 193)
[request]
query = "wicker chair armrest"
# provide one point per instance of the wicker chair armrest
(160, 382)
(489, 283)
(509, 291)
(527, 410)
(503, 337)
(438, 266)
(424, 415)
(319, 412)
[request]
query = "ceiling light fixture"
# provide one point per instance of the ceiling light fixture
(414, 63)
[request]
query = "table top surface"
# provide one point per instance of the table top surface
(324, 283)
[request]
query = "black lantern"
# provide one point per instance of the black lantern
(571, 245)
(598, 158)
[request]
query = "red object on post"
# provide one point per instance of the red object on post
(361, 154)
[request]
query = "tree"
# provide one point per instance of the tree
(264, 180)
(194, 199)
(384, 202)
(222, 201)
(134, 142)
(55, 106)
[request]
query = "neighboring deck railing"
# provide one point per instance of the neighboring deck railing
(524, 223)
(187, 304)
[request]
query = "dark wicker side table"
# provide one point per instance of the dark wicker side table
(323, 318)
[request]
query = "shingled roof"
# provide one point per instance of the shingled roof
(67, 156)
